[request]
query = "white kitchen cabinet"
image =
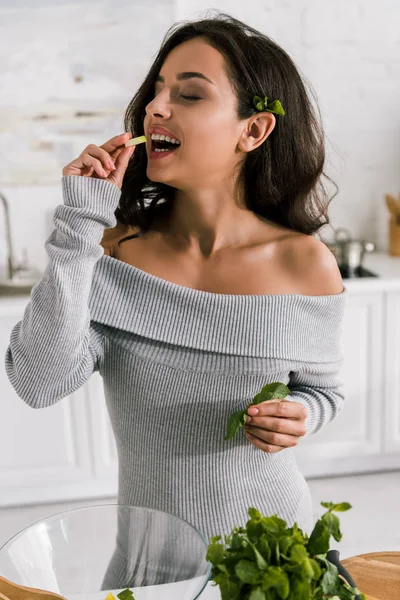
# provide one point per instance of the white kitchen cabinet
(67, 451)
(51, 454)
(391, 429)
(41, 452)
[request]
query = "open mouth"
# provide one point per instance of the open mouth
(163, 144)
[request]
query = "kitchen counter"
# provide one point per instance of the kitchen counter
(388, 269)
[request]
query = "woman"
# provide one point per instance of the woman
(190, 279)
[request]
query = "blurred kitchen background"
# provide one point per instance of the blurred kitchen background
(67, 71)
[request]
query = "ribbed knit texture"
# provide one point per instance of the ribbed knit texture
(175, 362)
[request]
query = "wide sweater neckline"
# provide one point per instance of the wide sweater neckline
(182, 289)
(280, 325)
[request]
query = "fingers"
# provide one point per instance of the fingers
(113, 143)
(279, 408)
(278, 425)
(261, 445)
(116, 142)
(97, 160)
(271, 437)
(94, 165)
(121, 165)
(102, 160)
(115, 153)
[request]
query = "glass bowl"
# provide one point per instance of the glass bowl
(88, 552)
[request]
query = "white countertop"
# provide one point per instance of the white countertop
(387, 267)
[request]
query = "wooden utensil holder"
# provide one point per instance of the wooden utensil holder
(394, 237)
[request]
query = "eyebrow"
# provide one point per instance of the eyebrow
(186, 75)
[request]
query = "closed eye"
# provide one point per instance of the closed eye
(190, 97)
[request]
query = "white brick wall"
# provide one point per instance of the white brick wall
(349, 51)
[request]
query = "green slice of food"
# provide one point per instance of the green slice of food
(135, 141)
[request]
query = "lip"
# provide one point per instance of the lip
(162, 131)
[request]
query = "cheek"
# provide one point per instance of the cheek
(208, 153)
(213, 126)
(212, 142)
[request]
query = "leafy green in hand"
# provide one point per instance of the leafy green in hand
(271, 391)
(267, 560)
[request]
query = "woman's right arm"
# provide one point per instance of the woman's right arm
(53, 351)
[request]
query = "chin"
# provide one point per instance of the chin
(158, 178)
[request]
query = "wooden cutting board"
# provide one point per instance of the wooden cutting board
(12, 591)
(376, 574)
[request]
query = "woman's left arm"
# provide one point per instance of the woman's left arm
(316, 396)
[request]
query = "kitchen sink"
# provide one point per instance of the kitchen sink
(16, 287)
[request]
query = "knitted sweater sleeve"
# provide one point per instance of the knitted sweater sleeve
(319, 388)
(54, 349)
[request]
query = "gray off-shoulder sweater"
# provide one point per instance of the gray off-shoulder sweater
(175, 363)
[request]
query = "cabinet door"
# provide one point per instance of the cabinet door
(392, 375)
(44, 454)
(347, 444)
(52, 454)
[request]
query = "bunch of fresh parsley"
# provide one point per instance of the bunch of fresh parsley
(269, 561)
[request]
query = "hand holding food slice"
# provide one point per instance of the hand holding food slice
(108, 161)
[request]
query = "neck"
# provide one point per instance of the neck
(202, 223)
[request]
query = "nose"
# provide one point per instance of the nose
(159, 106)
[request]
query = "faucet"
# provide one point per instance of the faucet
(21, 277)
(10, 258)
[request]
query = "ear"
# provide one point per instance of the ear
(257, 130)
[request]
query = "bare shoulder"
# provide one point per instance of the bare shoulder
(112, 235)
(311, 265)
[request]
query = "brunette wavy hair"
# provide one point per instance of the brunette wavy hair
(282, 177)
